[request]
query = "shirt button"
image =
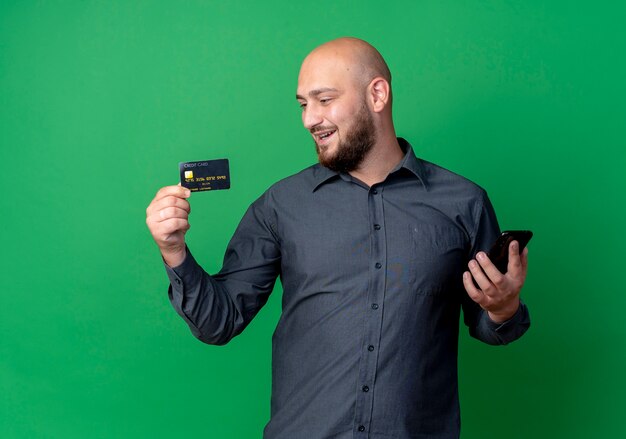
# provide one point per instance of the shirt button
(366, 389)
(374, 191)
(374, 305)
(361, 428)
(178, 281)
(370, 348)
(378, 265)
(376, 226)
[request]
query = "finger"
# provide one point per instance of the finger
(524, 259)
(481, 279)
(514, 267)
(475, 294)
(167, 213)
(173, 225)
(176, 191)
(167, 191)
(164, 230)
(169, 201)
(170, 212)
(491, 271)
(154, 221)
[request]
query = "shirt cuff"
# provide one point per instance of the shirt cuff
(187, 273)
(185, 280)
(513, 328)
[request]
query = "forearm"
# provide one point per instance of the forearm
(206, 307)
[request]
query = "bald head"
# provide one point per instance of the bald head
(356, 57)
(344, 90)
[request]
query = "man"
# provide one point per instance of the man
(372, 246)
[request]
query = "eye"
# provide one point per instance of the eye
(325, 101)
(302, 105)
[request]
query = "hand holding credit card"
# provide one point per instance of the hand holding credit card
(206, 175)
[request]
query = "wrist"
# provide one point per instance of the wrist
(174, 258)
(503, 315)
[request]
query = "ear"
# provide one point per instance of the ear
(379, 94)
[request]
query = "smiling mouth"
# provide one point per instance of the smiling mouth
(324, 136)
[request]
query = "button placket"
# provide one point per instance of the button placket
(373, 321)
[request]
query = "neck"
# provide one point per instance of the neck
(382, 158)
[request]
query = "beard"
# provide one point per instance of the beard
(360, 139)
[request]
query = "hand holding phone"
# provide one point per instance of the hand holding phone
(486, 282)
(499, 252)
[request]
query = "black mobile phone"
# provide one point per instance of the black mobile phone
(499, 253)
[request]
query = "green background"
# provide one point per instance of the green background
(100, 100)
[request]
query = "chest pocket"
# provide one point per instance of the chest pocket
(437, 258)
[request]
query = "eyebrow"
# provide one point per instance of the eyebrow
(317, 91)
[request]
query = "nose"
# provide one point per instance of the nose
(311, 116)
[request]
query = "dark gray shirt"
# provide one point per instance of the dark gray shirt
(366, 345)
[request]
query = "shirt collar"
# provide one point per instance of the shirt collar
(321, 175)
(409, 162)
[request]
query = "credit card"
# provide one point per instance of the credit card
(207, 175)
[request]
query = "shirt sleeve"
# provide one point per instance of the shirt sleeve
(480, 325)
(219, 307)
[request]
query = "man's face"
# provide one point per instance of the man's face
(334, 110)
